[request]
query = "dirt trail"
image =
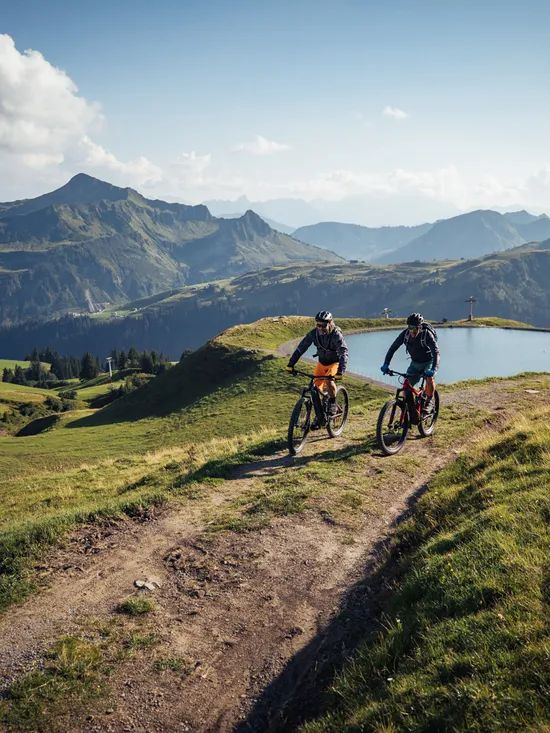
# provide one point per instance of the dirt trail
(237, 607)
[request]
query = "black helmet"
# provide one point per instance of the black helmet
(415, 320)
(324, 316)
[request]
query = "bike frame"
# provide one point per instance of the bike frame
(315, 394)
(408, 389)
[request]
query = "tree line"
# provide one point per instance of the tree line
(64, 368)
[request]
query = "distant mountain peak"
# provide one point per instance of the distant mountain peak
(252, 215)
(93, 189)
(80, 189)
(252, 222)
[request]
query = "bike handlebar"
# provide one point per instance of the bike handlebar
(391, 373)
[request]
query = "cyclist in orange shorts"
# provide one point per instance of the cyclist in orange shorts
(332, 353)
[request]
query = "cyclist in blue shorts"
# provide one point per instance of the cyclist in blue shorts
(421, 345)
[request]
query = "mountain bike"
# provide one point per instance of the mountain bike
(406, 408)
(315, 404)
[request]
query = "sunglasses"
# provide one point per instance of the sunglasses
(415, 329)
(322, 325)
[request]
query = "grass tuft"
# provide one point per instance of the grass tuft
(135, 606)
(72, 675)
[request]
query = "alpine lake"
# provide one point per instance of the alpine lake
(466, 353)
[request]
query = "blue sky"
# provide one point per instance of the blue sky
(411, 109)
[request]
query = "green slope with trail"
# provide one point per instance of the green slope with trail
(214, 402)
(454, 636)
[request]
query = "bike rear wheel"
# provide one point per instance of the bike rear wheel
(336, 424)
(392, 427)
(299, 425)
(426, 425)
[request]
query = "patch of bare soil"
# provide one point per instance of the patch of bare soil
(241, 618)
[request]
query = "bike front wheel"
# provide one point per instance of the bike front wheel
(392, 427)
(426, 426)
(298, 427)
(336, 423)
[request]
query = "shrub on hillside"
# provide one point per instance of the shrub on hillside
(133, 382)
(70, 394)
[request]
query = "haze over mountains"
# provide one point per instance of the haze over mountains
(374, 210)
(91, 243)
(470, 234)
(355, 242)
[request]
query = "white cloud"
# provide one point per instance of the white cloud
(261, 146)
(40, 110)
(192, 166)
(49, 132)
(140, 172)
(45, 126)
(41, 160)
(444, 184)
(395, 113)
(536, 188)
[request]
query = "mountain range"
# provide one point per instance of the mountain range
(461, 237)
(90, 243)
(471, 235)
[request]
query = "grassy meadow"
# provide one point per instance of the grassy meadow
(12, 363)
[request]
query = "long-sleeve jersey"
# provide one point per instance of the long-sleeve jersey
(422, 348)
(331, 348)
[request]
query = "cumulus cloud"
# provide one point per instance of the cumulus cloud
(395, 113)
(47, 127)
(40, 110)
(261, 146)
(141, 171)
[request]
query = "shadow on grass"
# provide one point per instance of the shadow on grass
(271, 464)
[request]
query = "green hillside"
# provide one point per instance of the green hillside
(216, 402)
(12, 363)
(511, 285)
(90, 244)
(20, 405)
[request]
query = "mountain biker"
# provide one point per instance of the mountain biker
(332, 353)
(422, 347)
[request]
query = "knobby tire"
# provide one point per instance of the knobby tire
(336, 424)
(392, 438)
(302, 411)
(426, 426)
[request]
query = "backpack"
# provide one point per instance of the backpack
(431, 329)
(318, 343)
(427, 327)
